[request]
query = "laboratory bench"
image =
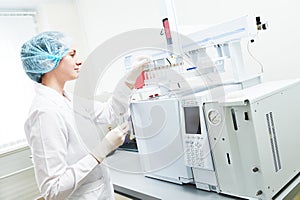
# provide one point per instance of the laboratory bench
(128, 179)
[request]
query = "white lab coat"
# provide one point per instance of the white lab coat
(64, 168)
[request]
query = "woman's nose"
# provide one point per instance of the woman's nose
(78, 62)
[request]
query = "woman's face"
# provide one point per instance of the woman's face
(68, 67)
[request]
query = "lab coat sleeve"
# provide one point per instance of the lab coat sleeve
(117, 105)
(48, 139)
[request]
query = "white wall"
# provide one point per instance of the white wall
(103, 19)
(62, 16)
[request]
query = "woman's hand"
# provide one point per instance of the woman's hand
(137, 68)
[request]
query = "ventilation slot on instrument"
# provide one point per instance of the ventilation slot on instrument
(246, 116)
(234, 121)
(228, 158)
(273, 140)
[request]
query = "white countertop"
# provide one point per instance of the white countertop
(127, 177)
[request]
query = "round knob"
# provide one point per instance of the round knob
(259, 192)
(255, 169)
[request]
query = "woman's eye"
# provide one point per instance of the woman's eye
(72, 53)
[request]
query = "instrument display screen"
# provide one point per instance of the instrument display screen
(192, 120)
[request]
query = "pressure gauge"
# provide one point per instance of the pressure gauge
(214, 117)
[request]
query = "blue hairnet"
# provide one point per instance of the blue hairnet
(43, 53)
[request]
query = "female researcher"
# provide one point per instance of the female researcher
(64, 167)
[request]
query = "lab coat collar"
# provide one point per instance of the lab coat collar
(54, 96)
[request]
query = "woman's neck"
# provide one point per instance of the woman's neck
(54, 84)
